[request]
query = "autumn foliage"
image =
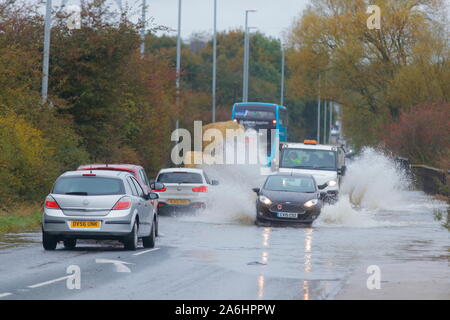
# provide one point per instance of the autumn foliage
(422, 134)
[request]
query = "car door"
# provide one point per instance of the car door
(135, 195)
(145, 210)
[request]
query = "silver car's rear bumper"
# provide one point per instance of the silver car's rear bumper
(115, 224)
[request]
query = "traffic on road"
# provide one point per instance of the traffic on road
(171, 150)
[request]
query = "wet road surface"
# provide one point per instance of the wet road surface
(199, 257)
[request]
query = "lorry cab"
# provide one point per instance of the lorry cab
(326, 163)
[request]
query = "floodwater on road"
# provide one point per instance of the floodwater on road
(378, 221)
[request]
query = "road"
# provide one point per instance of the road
(198, 257)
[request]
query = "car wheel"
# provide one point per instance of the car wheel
(149, 242)
(131, 241)
(49, 242)
(70, 243)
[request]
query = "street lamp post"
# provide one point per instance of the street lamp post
(318, 114)
(331, 115)
(178, 48)
(144, 8)
(214, 76)
(282, 75)
(45, 64)
(246, 58)
(326, 102)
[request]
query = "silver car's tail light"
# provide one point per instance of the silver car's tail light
(123, 204)
(200, 189)
(51, 203)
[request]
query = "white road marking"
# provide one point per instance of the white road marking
(142, 252)
(120, 265)
(5, 294)
(37, 285)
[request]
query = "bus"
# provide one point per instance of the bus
(258, 116)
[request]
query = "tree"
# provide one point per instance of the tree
(374, 74)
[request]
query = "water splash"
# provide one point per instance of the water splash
(373, 182)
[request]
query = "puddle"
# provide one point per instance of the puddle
(11, 240)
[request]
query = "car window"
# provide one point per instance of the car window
(290, 184)
(180, 177)
(144, 177)
(133, 187)
(308, 159)
(138, 187)
(89, 186)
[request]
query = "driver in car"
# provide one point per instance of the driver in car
(295, 159)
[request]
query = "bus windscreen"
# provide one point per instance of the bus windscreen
(254, 113)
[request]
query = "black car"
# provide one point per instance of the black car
(288, 198)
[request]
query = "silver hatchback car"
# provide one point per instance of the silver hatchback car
(185, 189)
(98, 204)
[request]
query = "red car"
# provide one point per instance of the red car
(137, 171)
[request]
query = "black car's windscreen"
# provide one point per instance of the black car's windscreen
(308, 159)
(180, 177)
(290, 184)
(90, 186)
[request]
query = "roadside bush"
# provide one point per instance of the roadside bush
(27, 167)
(421, 134)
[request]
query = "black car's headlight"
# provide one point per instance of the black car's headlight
(265, 200)
(332, 183)
(311, 203)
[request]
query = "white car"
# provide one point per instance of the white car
(326, 163)
(185, 189)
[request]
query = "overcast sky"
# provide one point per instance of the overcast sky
(272, 16)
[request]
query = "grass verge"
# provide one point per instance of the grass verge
(25, 218)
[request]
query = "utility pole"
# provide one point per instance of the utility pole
(318, 114)
(45, 64)
(325, 139)
(246, 58)
(331, 115)
(214, 76)
(144, 8)
(178, 50)
(282, 75)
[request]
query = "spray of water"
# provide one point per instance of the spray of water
(233, 200)
(373, 182)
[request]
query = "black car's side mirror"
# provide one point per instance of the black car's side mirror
(342, 170)
(256, 190)
(157, 186)
(214, 182)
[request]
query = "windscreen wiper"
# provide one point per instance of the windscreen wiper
(77, 193)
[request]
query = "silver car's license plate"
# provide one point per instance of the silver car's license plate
(287, 215)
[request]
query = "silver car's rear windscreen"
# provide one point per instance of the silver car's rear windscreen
(88, 186)
(180, 177)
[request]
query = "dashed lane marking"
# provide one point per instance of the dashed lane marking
(37, 285)
(146, 251)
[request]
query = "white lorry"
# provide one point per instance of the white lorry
(326, 163)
